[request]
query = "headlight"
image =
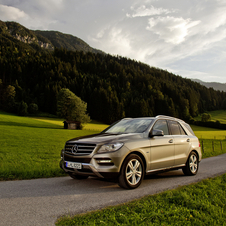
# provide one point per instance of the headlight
(110, 147)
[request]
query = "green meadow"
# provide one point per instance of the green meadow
(209, 133)
(30, 146)
(219, 115)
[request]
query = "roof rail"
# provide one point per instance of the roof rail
(168, 117)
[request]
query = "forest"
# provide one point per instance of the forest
(112, 86)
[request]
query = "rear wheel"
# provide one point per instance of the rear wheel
(192, 165)
(77, 176)
(132, 172)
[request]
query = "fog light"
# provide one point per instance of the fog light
(104, 161)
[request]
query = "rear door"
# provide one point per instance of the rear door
(182, 142)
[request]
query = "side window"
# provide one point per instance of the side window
(182, 132)
(162, 125)
(189, 128)
(176, 128)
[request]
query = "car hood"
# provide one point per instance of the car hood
(102, 138)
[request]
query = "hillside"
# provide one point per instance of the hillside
(214, 85)
(47, 40)
(113, 86)
(66, 41)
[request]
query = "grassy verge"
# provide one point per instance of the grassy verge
(203, 203)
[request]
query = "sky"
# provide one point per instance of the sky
(187, 38)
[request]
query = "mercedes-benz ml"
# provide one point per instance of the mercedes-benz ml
(132, 148)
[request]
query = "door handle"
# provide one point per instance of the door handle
(188, 140)
(171, 141)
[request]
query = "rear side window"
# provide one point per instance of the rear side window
(189, 128)
(182, 132)
(175, 128)
(162, 125)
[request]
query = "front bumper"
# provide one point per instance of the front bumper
(106, 165)
(87, 169)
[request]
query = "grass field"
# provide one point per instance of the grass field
(30, 146)
(94, 126)
(209, 133)
(219, 115)
(198, 204)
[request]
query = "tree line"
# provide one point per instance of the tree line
(112, 86)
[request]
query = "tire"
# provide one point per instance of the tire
(132, 172)
(78, 177)
(192, 165)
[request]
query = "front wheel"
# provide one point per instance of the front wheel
(132, 172)
(192, 165)
(78, 177)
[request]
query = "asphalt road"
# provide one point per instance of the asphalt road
(42, 201)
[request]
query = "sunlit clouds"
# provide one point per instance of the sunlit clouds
(185, 37)
(11, 13)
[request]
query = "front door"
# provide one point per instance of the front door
(162, 148)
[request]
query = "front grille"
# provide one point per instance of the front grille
(79, 149)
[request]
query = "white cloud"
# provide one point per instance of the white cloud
(182, 36)
(11, 13)
(143, 11)
(171, 29)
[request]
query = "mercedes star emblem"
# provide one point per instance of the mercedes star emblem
(74, 149)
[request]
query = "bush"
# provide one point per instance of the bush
(206, 117)
(33, 108)
(22, 108)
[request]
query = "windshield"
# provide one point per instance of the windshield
(129, 126)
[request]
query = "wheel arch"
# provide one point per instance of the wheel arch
(140, 155)
(197, 153)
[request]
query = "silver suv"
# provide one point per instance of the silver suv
(132, 148)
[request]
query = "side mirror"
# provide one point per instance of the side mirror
(156, 132)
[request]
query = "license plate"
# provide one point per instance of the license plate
(74, 165)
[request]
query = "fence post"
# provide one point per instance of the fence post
(221, 145)
(213, 145)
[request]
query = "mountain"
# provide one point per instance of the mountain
(47, 40)
(214, 85)
(33, 71)
(66, 41)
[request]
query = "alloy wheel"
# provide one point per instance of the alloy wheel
(133, 171)
(193, 163)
